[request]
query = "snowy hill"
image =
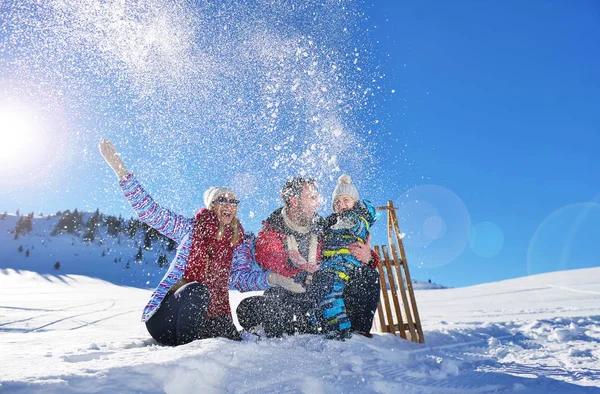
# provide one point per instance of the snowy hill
(419, 285)
(110, 255)
(539, 334)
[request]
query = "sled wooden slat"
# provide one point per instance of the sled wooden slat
(390, 277)
(409, 282)
(397, 327)
(393, 269)
(395, 265)
(385, 301)
(398, 268)
(380, 305)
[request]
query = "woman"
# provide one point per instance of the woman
(192, 300)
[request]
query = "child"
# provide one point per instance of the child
(351, 222)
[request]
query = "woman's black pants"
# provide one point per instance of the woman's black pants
(181, 318)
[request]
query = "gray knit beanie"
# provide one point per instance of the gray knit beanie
(345, 186)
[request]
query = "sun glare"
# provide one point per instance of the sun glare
(17, 134)
(18, 130)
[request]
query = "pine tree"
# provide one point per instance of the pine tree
(171, 245)
(113, 225)
(66, 224)
(27, 253)
(132, 227)
(162, 260)
(18, 227)
(92, 226)
(28, 222)
(23, 225)
(139, 254)
(57, 265)
(20, 249)
(90, 235)
(147, 241)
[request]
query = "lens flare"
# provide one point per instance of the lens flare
(437, 225)
(487, 239)
(566, 239)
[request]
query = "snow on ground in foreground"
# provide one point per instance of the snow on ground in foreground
(537, 334)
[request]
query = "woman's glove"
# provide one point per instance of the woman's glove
(299, 262)
(276, 279)
(112, 158)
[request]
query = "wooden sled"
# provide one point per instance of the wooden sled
(403, 319)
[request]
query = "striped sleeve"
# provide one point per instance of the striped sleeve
(161, 219)
(246, 275)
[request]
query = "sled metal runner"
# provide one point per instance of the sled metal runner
(397, 312)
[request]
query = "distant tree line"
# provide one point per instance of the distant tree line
(73, 223)
(69, 222)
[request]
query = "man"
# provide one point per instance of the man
(290, 244)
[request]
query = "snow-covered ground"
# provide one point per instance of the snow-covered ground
(538, 334)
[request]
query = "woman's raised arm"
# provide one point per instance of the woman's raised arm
(163, 220)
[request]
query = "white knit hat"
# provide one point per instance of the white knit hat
(211, 194)
(345, 186)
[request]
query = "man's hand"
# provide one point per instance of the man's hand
(113, 159)
(361, 251)
(275, 279)
(299, 262)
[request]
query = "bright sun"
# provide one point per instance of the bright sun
(18, 131)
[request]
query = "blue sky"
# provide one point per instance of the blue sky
(478, 119)
(503, 99)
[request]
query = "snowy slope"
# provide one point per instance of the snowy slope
(111, 258)
(538, 334)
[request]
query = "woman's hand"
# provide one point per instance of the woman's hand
(276, 279)
(113, 159)
(299, 262)
(361, 251)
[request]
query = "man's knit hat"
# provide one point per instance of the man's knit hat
(345, 186)
(211, 194)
